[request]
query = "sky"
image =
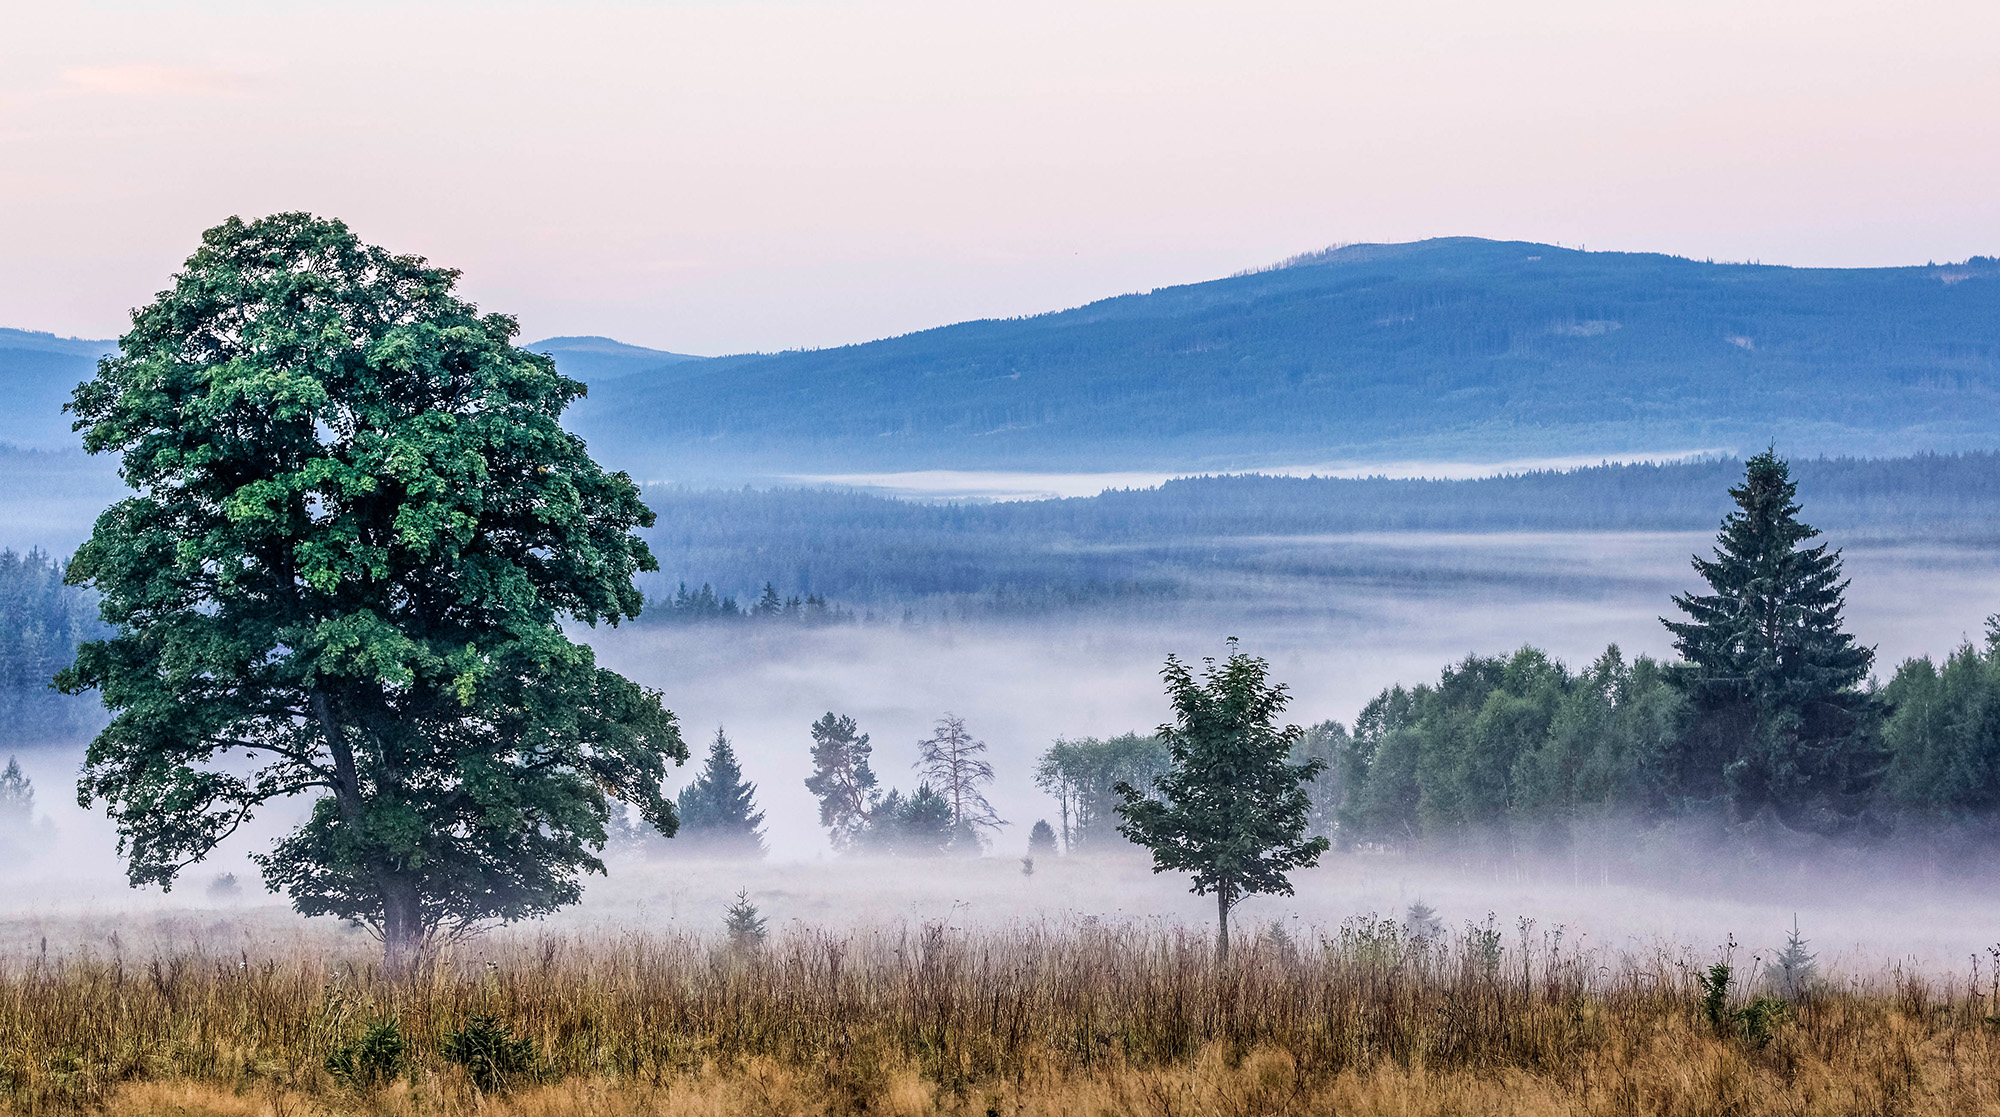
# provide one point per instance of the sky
(724, 177)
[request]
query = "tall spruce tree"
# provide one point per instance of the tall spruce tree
(1232, 811)
(718, 811)
(841, 778)
(358, 527)
(1782, 725)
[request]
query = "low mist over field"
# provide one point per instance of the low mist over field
(1347, 616)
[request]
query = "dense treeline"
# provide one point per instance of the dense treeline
(41, 623)
(1178, 538)
(1769, 722)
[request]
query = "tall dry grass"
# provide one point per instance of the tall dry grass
(1074, 1020)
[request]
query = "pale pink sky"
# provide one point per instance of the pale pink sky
(716, 177)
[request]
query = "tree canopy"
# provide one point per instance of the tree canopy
(1232, 810)
(1784, 727)
(358, 526)
(718, 811)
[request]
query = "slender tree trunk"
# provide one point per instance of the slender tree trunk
(1222, 924)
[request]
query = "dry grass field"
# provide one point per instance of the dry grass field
(1065, 1019)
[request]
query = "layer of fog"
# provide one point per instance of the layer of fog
(1336, 640)
(973, 484)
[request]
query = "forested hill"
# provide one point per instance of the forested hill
(1458, 348)
(38, 371)
(860, 549)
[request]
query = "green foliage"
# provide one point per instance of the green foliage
(1943, 735)
(41, 623)
(372, 1060)
(492, 1057)
(1782, 725)
(718, 812)
(1231, 810)
(1083, 775)
(743, 924)
(918, 825)
(1715, 997)
(1755, 1023)
(841, 779)
(358, 527)
(1517, 747)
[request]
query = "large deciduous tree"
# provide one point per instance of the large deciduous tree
(1783, 725)
(357, 529)
(1232, 810)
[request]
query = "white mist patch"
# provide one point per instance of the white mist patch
(1340, 617)
(1002, 485)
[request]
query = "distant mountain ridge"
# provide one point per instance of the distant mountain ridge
(595, 360)
(38, 371)
(1457, 348)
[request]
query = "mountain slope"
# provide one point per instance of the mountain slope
(1445, 348)
(38, 372)
(595, 360)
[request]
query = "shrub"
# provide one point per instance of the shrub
(375, 1059)
(490, 1054)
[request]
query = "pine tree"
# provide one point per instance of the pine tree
(1042, 839)
(1794, 971)
(1782, 726)
(841, 778)
(919, 825)
(951, 758)
(718, 812)
(745, 926)
(1232, 810)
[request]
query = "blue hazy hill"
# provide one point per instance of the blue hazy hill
(595, 360)
(1452, 348)
(38, 371)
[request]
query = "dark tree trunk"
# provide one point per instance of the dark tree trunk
(403, 931)
(1222, 924)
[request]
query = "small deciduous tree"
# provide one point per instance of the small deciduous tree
(718, 811)
(1232, 810)
(841, 778)
(358, 527)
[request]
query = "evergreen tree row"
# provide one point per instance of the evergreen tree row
(41, 623)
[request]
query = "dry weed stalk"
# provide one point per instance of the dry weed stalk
(1084, 1019)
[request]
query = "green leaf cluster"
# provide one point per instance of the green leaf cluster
(357, 530)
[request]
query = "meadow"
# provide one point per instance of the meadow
(1079, 1017)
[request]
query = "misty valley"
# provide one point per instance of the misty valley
(398, 718)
